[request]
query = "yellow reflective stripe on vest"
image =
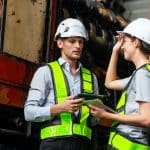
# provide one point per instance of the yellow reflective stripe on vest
(55, 131)
(121, 103)
(82, 129)
(121, 143)
(61, 130)
(67, 127)
(120, 107)
(87, 80)
(59, 80)
(148, 67)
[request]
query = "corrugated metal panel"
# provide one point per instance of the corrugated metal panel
(137, 8)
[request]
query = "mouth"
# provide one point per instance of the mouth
(77, 52)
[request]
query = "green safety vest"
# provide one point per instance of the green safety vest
(67, 127)
(117, 141)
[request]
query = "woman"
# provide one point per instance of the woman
(131, 125)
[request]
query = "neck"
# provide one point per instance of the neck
(73, 67)
(141, 61)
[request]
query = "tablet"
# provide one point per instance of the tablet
(98, 103)
(96, 100)
(89, 96)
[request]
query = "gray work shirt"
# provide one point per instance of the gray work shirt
(138, 90)
(41, 92)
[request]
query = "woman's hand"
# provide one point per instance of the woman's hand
(118, 45)
(98, 112)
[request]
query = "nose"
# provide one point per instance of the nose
(78, 44)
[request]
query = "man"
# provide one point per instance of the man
(131, 125)
(51, 98)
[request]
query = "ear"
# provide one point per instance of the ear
(59, 43)
(137, 43)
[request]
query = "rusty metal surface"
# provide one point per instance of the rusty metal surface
(24, 28)
(15, 77)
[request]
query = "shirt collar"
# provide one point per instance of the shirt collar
(65, 64)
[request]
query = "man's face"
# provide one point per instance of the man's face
(71, 48)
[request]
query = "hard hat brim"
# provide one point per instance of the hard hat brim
(121, 32)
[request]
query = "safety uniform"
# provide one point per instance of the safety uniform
(120, 140)
(50, 88)
(67, 124)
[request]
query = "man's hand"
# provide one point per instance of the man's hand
(69, 105)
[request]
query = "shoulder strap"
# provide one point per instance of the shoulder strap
(87, 83)
(133, 74)
(60, 82)
(148, 67)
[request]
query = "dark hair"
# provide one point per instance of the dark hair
(143, 46)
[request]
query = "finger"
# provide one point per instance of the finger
(71, 110)
(70, 97)
(77, 105)
(92, 113)
(92, 106)
(76, 108)
(80, 100)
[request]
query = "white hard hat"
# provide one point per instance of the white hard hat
(71, 27)
(139, 28)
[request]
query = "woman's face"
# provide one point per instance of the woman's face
(128, 48)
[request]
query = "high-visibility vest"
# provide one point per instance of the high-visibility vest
(120, 108)
(117, 140)
(120, 142)
(67, 126)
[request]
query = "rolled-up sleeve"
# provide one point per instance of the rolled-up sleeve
(37, 96)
